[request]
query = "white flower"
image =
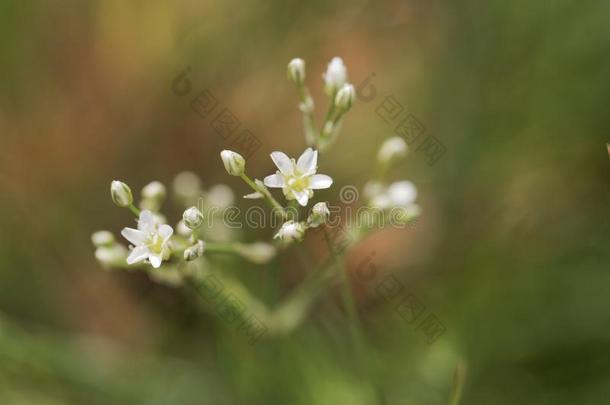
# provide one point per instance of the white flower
(121, 194)
(393, 148)
(296, 71)
(297, 179)
(290, 231)
(335, 76)
(235, 164)
(398, 194)
(345, 97)
(192, 218)
(151, 240)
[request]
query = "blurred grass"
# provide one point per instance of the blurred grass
(510, 253)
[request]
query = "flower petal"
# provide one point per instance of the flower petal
(138, 254)
(146, 223)
(166, 231)
(302, 197)
(282, 162)
(320, 181)
(134, 236)
(155, 261)
(308, 161)
(274, 180)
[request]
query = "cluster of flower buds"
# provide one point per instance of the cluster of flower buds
(340, 92)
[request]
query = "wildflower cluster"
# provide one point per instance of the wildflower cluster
(173, 254)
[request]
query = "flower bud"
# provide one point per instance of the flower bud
(102, 238)
(296, 71)
(259, 252)
(234, 163)
(335, 76)
(121, 194)
(345, 97)
(154, 191)
(195, 251)
(290, 231)
(192, 218)
(319, 215)
(393, 148)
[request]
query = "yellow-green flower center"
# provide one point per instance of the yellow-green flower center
(298, 183)
(154, 242)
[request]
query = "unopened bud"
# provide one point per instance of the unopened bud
(234, 163)
(335, 76)
(296, 71)
(121, 194)
(290, 232)
(192, 217)
(345, 97)
(319, 215)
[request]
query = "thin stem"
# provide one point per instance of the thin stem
(220, 247)
(268, 197)
(459, 378)
(133, 209)
(346, 294)
(311, 134)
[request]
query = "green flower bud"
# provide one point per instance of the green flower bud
(234, 163)
(121, 194)
(296, 71)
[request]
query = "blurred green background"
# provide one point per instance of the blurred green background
(510, 253)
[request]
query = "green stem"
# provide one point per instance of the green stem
(133, 209)
(311, 134)
(459, 378)
(219, 247)
(268, 197)
(347, 297)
